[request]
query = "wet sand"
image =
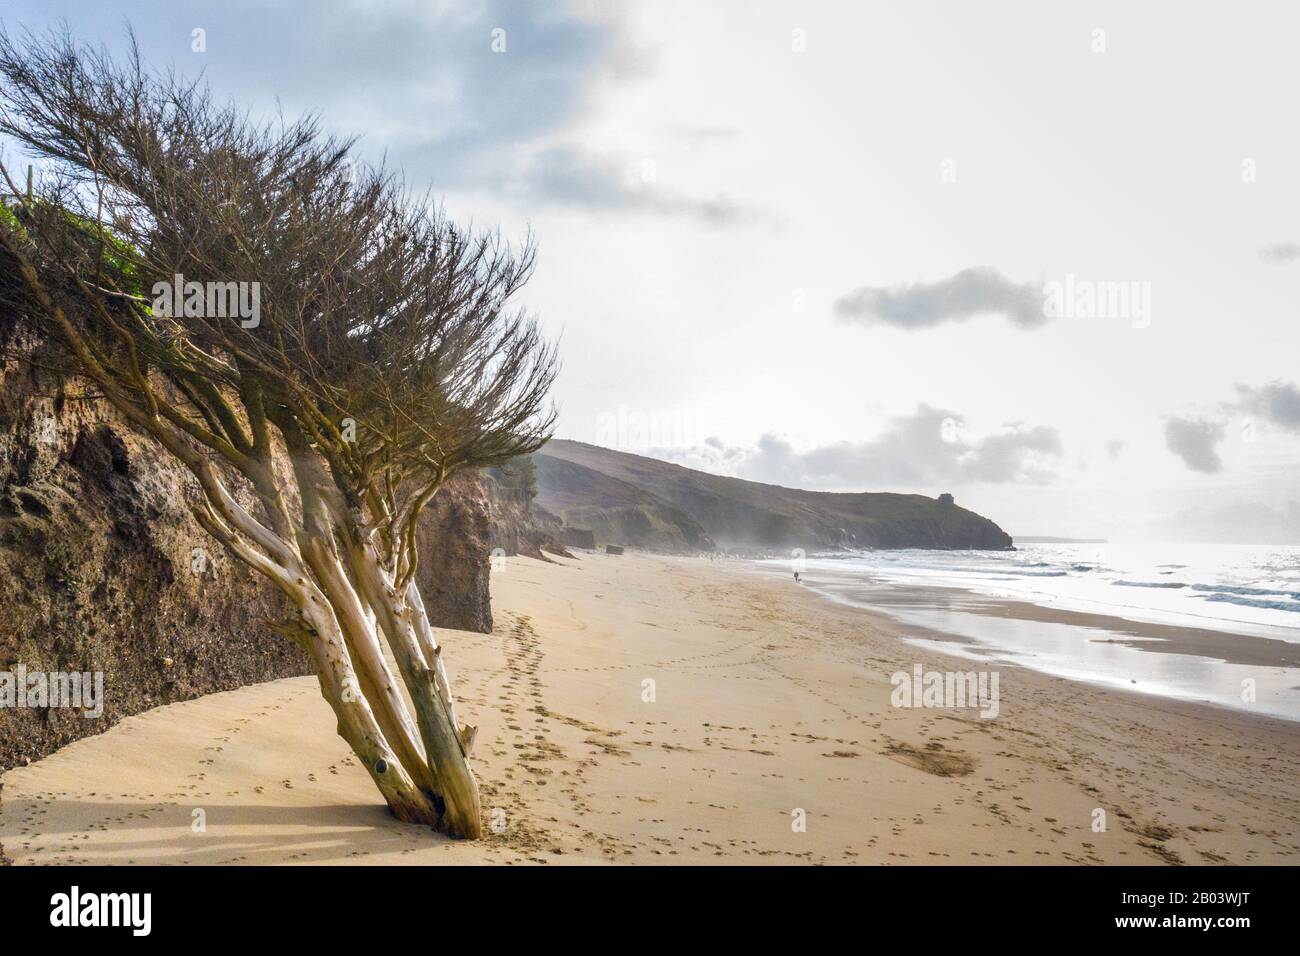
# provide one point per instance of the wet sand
(769, 704)
(1147, 636)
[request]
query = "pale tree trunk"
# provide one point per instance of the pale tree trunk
(375, 678)
(446, 744)
(357, 723)
(347, 602)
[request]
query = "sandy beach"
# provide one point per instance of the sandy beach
(766, 700)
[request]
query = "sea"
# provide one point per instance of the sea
(1204, 622)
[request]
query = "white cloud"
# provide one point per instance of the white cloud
(1281, 253)
(927, 448)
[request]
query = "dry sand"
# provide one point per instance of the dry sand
(767, 699)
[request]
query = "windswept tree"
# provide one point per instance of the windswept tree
(319, 348)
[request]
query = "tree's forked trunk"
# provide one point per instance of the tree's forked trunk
(421, 766)
(400, 617)
(349, 609)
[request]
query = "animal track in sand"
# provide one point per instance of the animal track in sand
(933, 759)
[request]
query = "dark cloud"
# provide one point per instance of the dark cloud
(1011, 456)
(923, 305)
(1277, 403)
(1195, 441)
(570, 176)
(418, 79)
(1281, 253)
(925, 449)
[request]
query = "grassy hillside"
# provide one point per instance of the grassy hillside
(616, 511)
(738, 513)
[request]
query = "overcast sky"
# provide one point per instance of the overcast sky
(850, 246)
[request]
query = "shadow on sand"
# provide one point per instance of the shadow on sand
(93, 833)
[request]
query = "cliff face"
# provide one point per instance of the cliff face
(102, 568)
(521, 526)
(455, 540)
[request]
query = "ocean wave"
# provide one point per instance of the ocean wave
(1151, 584)
(1292, 606)
(1244, 589)
(890, 563)
(1001, 573)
